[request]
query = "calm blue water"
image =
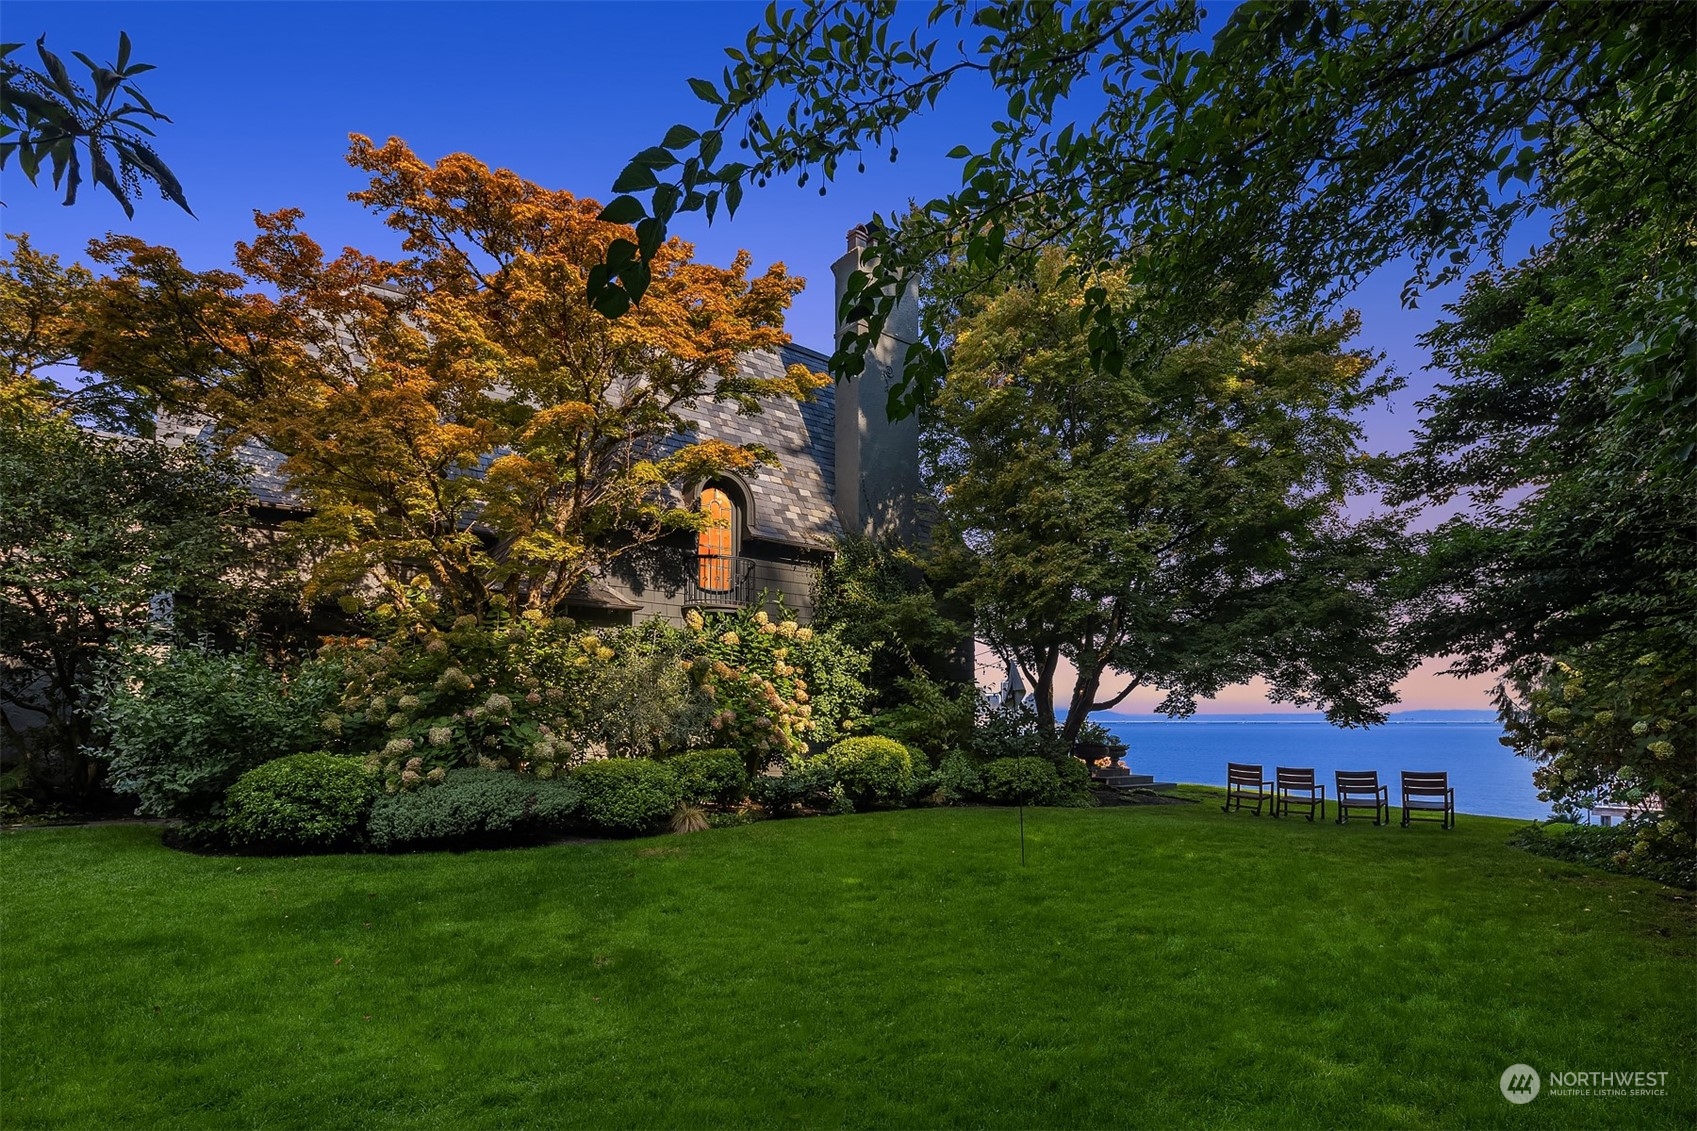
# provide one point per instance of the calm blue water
(1488, 778)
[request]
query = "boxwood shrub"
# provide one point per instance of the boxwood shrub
(871, 770)
(627, 795)
(711, 775)
(473, 808)
(304, 801)
(1021, 781)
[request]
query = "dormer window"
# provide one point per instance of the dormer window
(716, 544)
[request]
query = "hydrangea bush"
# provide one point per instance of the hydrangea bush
(527, 694)
(779, 687)
(1615, 723)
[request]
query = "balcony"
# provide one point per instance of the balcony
(719, 581)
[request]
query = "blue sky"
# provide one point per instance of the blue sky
(263, 96)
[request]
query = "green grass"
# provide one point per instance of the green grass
(1150, 966)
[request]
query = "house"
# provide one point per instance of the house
(842, 467)
(1607, 813)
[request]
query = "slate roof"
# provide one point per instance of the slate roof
(794, 502)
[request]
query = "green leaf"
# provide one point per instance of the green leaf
(650, 234)
(622, 210)
(635, 178)
(706, 91)
(612, 302)
(655, 157)
(149, 161)
(635, 276)
(56, 69)
(597, 281)
(107, 179)
(666, 201)
(123, 49)
(679, 136)
(620, 252)
(710, 145)
(960, 151)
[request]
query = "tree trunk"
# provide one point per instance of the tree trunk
(1083, 695)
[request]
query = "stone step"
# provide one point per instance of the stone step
(1126, 780)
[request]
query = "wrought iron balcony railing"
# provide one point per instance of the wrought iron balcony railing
(719, 581)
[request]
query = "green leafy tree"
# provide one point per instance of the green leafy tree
(101, 538)
(1573, 566)
(1300, 147)
(49, 119)
(875, 595)
(1179, 524)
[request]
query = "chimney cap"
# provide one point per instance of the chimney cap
(858, 237)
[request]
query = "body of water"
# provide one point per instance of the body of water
(1488, 777)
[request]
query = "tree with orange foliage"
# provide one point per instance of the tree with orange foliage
(467, 431)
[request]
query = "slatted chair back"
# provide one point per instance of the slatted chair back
(1241, 773)
(1296, 787)
(1435, 784)
(1245, 781)
(1360, 789)
(1427, 792)
(1350, 781)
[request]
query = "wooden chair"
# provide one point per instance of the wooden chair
(1361, 790)
(1241, 779)
(1297, 787)
(1430, 793)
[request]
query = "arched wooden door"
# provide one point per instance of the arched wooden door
(716, 545)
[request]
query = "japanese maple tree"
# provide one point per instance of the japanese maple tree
(466, 430)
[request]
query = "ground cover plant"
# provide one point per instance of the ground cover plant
(1150, 966)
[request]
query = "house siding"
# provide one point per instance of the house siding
(656, 585)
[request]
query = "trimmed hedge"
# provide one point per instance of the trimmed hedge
(1021, 781)
(627, 795)
(304, 801)
(711, 775)
(871, 770)
(474, 808)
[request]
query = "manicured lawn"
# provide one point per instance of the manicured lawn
(1150, 966)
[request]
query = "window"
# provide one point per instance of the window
(716, 546)
(1605, 818)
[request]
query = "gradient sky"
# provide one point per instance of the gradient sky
(263, 96)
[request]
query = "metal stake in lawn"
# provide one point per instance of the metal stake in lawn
(1022, 834)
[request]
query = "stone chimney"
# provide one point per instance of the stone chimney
(877, 460)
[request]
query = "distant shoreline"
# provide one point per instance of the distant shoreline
(1465, 716)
